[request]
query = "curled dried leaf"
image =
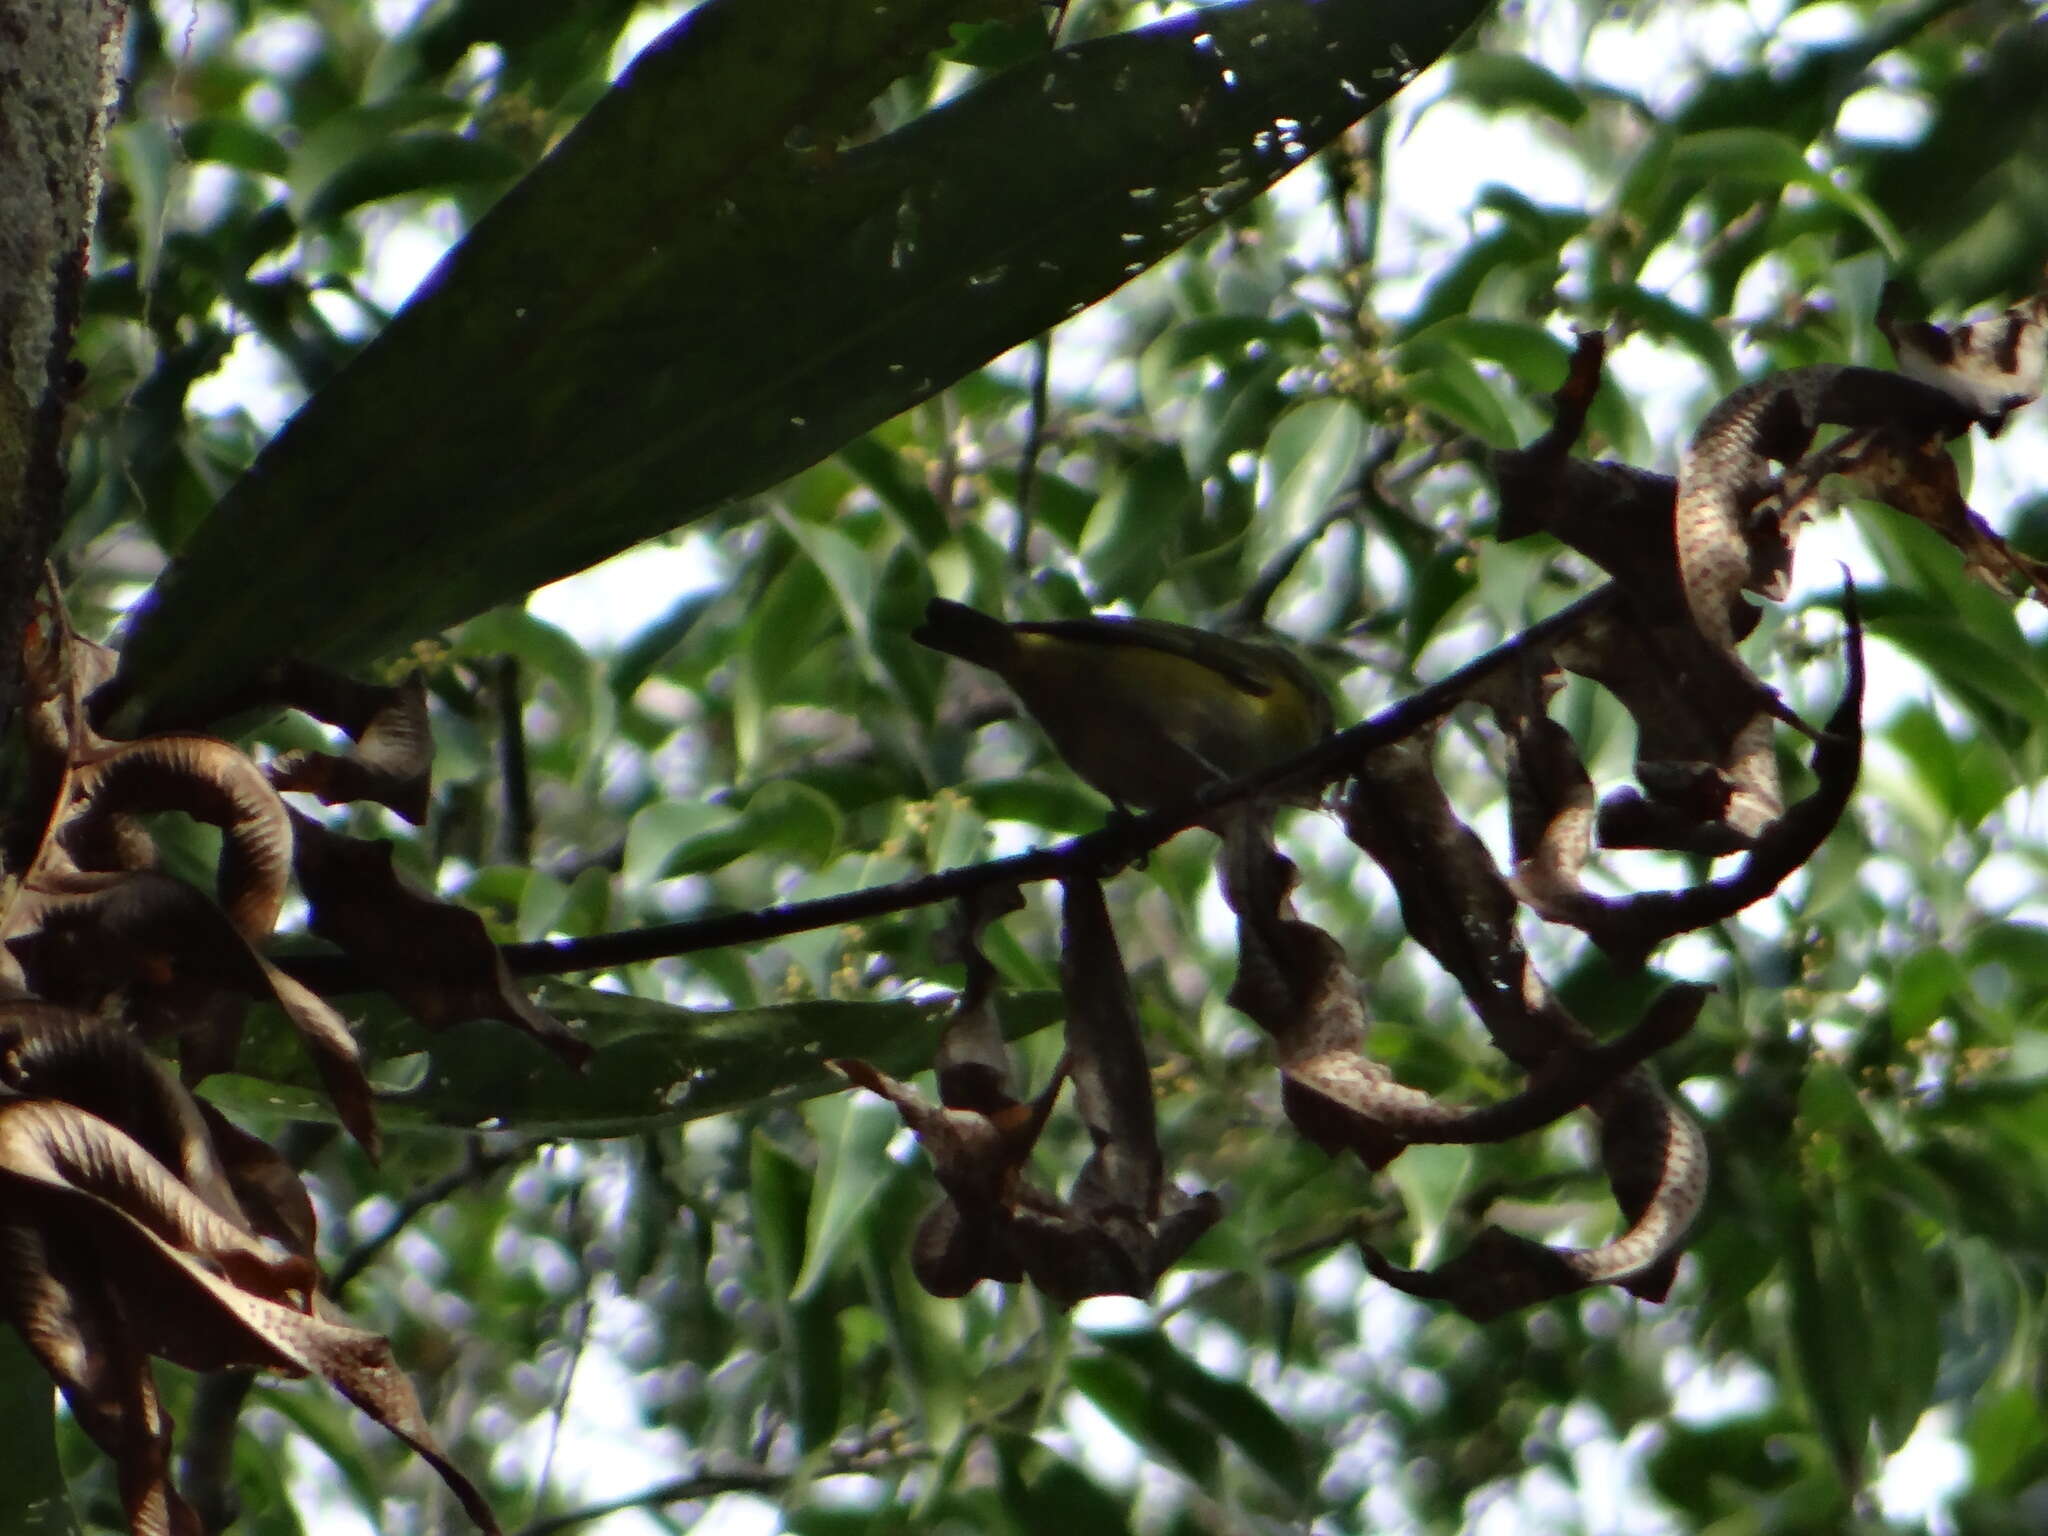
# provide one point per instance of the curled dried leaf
(183, 967)
(47, 1052)
(1294, 983)
(57, 1298)
(172, 1278)
(394, 743)
(434, 957)
(1657, 1163)
(209, 781)
(1629, 928)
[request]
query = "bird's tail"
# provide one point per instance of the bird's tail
(966, 632)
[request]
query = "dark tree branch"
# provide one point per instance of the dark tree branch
(1035, 428)
(515, 786)
(206, 1460)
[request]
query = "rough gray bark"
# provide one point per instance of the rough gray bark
(57, 60)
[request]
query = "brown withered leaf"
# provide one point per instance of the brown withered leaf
(176, 1280)
(1629, 928)
(978, 1152)
(1123, 1223)
(57, 1297)
(980, 1135)
(1106, 1053)
(1704, 749)
(393, 758)
(211, 782)
(434, 957)
(972, 1060)
(1294, 983)
(267, 1189)
(1456, 905)
(48, 1052)
(1656, 1158)
(1614, 514)
(1916, 476)
(181, 965)
(1703, 719)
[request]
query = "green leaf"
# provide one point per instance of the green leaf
(853, 1166)
(1762, 154)
(1880, 1242)
(1057, 804)
(1155, 1422)
(1231, 1408)
(659, 835)
(1060, 1497)
(781, 1191)
(850, 576)
(1441, 378)
(1926, 985)
(1828, 1333)
(655, 1064)
(1311, 457)
(1496, 81)
(1127, 542)
(726, 309)
(2005, 1435)
(900, 488)
(235, 141)
(417, 162)
(39, 1504)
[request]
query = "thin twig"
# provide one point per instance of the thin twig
(206, 1449)
(708, 1485)
(1034, 445)
(580, 1340)
(477, 1166)
(1258, 596)
(515, 810)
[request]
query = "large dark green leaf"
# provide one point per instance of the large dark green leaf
(655, 1064)
(684, 303)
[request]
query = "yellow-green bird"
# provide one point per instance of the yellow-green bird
(1147, 712)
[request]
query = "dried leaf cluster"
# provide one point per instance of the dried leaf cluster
(1662, 639)
(139, 1222)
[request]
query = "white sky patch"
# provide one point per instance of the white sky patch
(1926, 1475)
(610, 603)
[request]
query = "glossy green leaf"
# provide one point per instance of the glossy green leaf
(1126, 542)
(1311, 458)
(853, 1166)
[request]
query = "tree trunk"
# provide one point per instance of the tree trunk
(57, 61)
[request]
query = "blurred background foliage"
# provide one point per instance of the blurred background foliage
(680, 1285)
